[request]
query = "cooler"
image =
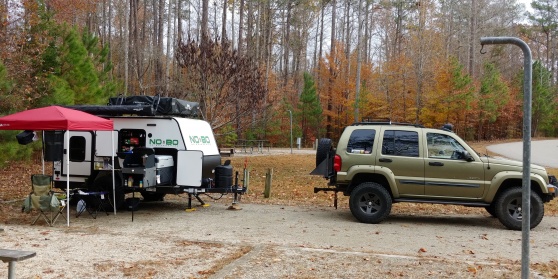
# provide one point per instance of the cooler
(164, 168)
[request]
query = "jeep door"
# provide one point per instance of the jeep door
(400, 156)
(447, 172)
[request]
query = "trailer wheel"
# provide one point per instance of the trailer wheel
(152, 196)
(103, 182)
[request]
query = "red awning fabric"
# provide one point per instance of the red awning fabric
(55, 118)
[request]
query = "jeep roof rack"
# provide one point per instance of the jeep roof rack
(384, 121)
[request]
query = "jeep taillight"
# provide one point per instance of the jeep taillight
(337, 163)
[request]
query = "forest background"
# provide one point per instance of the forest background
(256, 66)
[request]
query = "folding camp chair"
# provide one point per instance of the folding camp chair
(48, 204)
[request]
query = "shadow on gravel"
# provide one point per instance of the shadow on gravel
(344, 217)
(444, 221)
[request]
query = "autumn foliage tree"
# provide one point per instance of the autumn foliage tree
(229, 87)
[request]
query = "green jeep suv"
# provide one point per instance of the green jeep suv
(380, 163)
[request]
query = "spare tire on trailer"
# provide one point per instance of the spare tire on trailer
(103, 182)
(324, 148)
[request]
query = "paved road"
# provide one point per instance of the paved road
(543, 152)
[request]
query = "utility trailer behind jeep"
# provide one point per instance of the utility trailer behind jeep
(158, 150)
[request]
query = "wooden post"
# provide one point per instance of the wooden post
(246, 180)
(268, 179)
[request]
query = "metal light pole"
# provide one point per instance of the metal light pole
(527, 108)
(291, 116)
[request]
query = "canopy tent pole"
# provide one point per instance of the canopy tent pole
(67, 152)
(112, 167)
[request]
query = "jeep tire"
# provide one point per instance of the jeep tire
(323, 149)
(509, 212)
(370, 203)
(490, 209)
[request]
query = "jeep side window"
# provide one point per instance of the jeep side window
(361, 141)
(443, 147)
(400, 143)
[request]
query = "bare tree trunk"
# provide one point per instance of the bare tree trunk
(240, 27)
(167, 79)
(359, 62)
(419, 64)
(320, 44)
(179, 19)
(109, 58)
(204, 21)
(232, 24)
(472, 40)
(249, 30)
(158, 60)
(224, 23)
(127, 46)
(347, 53)
(329, 127)
(286, 45)
(366, 47)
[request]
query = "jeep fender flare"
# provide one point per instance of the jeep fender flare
(500, 178)
(373, 172)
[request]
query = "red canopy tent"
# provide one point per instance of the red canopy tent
(56, 118)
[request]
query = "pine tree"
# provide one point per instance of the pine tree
(309, 110)
(544, 103)
(6, 86)
(493, 95)
(76, 71)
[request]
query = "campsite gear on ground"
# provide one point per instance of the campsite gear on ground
(48, 204)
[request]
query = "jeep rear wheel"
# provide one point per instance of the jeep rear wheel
(323, 149)
(490, 209)
(509, 210)
(370, 203)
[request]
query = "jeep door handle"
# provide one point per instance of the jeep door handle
(436, 164)
(385, 160)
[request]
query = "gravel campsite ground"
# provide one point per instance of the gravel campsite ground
(295, 234)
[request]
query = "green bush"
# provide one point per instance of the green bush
(11, 150)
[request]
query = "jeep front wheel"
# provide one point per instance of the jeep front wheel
(509, 208)
(370, 203)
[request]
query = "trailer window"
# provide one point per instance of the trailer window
(77, 149)
(130, 139)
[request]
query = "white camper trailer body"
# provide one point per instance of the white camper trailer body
(160, 154)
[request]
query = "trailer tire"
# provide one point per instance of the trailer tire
(151, 196)
(103, 182)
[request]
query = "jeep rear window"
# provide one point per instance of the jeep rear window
(400, 143)
(361, 141)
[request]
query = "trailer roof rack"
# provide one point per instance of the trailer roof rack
(143, 106)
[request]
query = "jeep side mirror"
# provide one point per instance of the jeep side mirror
(463, 154)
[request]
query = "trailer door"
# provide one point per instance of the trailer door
(80, 153)
(105, 143)
(189, 168)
